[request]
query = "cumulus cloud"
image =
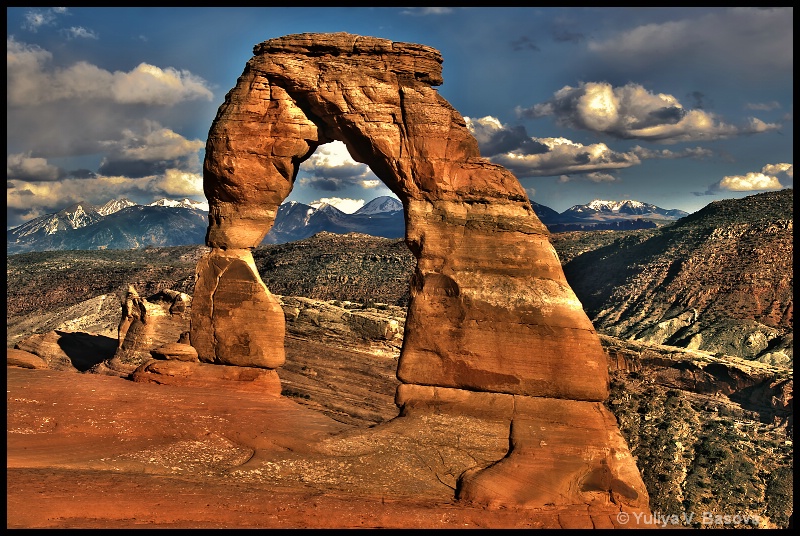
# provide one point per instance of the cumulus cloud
(495, 138)
(538, 157)
(115, 117)
(23, 167)
(565, 157)
(148, 150)
(346, 205)
(753, 181)
(331, 169)
(633, 112)
(30, 81)
(148, 84)
(152, 143)
(175, 182)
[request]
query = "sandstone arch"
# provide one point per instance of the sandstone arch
(491, 312)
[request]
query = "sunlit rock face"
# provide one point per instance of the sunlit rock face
(490, 309)
(491, 314)
(235, 319)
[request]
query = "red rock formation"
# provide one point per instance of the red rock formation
(490, 311)
(147, 324)
(505, 318)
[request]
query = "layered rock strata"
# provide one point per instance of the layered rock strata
(490, 312)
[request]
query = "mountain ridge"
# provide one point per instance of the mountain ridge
(719, 280)
(382, 217)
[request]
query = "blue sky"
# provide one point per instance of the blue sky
(672, 106)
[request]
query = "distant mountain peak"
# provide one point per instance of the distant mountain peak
(115, 205)
(119, 223)
(380, 205)
(183, 203)
(327, 208)
(604, 210)
(614, 206)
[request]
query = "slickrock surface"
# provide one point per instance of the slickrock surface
(94, 451)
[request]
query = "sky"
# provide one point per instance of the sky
(677, 107)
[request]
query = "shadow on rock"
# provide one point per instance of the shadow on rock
(86, 350)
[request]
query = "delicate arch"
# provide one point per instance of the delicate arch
(493, 329)
(490, 308)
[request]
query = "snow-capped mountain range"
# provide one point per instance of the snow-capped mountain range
(123, 224)
(599, 209)
(117, 224)
(383, 216)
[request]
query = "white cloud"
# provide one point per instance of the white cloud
(766, 179)
(346, 205)
(749, 182)
(539, 157)
(175, 182)
(148, 84)
(116, 117)
(31, 82)
(332, 155)
(155, 143)
(776, 169)
(79, 32)
(632, 112)
(35, 19)
(757, 125)
(371, 183)
(565, 157)
(332, 169)
(483, 128)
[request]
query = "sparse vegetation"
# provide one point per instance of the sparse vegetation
(698, 457)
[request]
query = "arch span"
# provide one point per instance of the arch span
(490, 312)
(490, 307)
